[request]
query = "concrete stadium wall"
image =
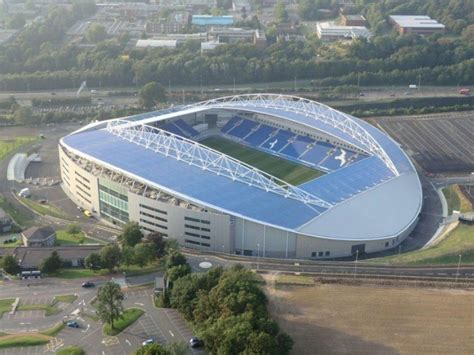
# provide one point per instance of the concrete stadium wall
(80, 185)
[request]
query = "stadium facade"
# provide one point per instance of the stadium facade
(151, 168)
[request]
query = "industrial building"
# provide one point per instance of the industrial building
(422, 25)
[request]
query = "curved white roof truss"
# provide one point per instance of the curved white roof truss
(205, 158)
(310, 109)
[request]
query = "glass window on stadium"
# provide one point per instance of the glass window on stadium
(113, 205)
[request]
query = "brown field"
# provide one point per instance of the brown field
(336, 319)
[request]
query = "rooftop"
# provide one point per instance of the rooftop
(416, 21)
(33, 256)
(208, 20)
(38, 233)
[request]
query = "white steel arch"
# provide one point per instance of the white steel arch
(310, 109)
(195, 154)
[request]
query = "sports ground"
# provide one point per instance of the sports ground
(288, 171)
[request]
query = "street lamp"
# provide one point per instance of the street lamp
(258, 253)
(459, 264)
(355, 263)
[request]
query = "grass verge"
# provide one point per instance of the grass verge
(71, 350)
(19, 217)
(459, 242)
(296, 280)
(129, 316)
(45, 210)
(456, 200)
(14, 341)
(65, 298)
(9, 145)
(285, 170)
(54, 330)
(6, 305)
(78, 273)
(65, 238)
(49, 309)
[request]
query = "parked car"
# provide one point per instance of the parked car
(196, 342)
(88, 284)
(88, 213)
(73, 324)
(148, 341)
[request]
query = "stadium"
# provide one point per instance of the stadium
(257, 175)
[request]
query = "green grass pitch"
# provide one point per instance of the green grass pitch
(288, 171)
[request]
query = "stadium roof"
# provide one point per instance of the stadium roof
(193, 172)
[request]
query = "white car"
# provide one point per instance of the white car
(148, 342)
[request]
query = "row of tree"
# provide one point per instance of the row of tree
(134, 250)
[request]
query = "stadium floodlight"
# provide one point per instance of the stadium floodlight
(196, 154)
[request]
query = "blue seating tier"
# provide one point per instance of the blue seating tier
(289, 145)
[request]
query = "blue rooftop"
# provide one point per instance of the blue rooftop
(191, 182)
(208, 20)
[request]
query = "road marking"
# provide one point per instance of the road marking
(85, 330)
(128, 342)
(171, 333)
(140, 304)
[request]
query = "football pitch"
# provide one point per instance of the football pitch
(292, 173)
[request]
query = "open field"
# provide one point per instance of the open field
(460, 241)
(285, 170)
(439, 143)
(336, 319)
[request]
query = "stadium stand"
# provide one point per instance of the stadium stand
(349, 181)
(187, 129)
(284, 143)
(259, 135)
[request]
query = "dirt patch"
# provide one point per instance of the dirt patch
(337, 319)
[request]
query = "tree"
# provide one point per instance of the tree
(176, 272)
(131, 234)
(152, 349)
(281, 15)
(23, 115)
(17, 21)
(96, 33)
(151, 94)
(110, 256)
(144, 253)
(175, 258)
(109, 303)
(10, 265)
(73, 229)
(52, 263)
(158, 242)
(93, 262)
(128, 255)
